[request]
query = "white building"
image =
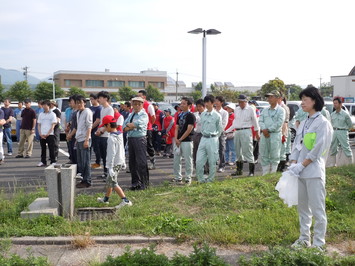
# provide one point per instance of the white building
(344, 86)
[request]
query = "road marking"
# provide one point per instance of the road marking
(64, 152)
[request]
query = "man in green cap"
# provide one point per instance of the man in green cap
(271, 121)
(341, 123)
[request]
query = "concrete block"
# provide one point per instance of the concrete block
(67, 176)
(38, 207)
(53, 182)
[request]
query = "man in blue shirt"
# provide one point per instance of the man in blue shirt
(136, 127)
(96, 111)
(8, 115)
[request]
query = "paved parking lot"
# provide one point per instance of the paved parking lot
(23, 174)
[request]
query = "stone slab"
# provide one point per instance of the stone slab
(38, 207)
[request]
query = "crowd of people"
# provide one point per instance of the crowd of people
(208, 134)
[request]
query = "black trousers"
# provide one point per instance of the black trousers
(150, 148)
(138, 165)
(50, 140)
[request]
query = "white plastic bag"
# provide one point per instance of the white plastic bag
(288, 188)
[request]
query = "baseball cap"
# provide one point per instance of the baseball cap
(108, 119)
(273, 93)
(231, 106)
(167, 110)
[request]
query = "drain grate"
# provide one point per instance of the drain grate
(87, 214)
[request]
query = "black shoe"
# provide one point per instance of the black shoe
(19, 156)
(83, 185)
(27, 156)
(134, 188)
(251, 169)
(239, 169)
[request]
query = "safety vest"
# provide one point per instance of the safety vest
(145, 106)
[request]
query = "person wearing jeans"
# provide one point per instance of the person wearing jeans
(8, 115)
(83, 138)
(2, 122)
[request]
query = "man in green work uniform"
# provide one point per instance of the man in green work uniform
(341, 123)
(211, 129)
(271, 121)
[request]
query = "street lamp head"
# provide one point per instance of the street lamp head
(212, 32)
(196, 31)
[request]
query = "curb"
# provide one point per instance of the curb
(67, 240)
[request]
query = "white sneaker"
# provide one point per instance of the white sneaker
(78, 176)
(124, 203)
(101, 200)
(54, 164)
(40, 164)
(230, 163)
(220, 170)
(299, 243)
(10, 154)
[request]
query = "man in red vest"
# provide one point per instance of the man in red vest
(157, 127)
(149, 109)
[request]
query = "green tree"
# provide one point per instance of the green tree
(228, 94)
(326, 89)
(126, 93)
(76, 90)
(20, 91)
(44, 91)
(293, 91)
(115, 97)
(274, 84)
(198, 87)
(196, 95)
(154, 94)
(2, 92)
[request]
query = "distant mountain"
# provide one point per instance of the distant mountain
(10, 76)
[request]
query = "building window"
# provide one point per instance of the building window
(72, 83)
(115, 83)
(136, 84)
(94, 83)
(159, 85)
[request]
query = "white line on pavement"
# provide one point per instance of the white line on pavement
(64, 152)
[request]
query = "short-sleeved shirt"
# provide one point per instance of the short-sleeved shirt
(7, 113)
(1, 117)
(46, 120)
(184, 120)
(58, 114)
(96, 110)
(105, 111)
(28, 114)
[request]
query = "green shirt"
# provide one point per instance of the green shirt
(211, 123)
(272, 119)
(341, 120)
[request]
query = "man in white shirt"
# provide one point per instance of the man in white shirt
(104, 98)
(219, 101)
(244, 119)
(46, 123)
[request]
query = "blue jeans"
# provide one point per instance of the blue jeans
(83, 157)
(103, 151)
(18, 127)
(95, 145)
(230, 150)
(7, 135)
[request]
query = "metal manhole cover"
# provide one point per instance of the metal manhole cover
(86, 214)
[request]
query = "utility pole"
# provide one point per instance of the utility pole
(25, 72)
(320, 82)
(176, 85)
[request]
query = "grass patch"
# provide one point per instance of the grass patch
(233, 211)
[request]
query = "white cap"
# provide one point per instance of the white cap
(231, 105)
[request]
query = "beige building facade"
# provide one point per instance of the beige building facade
(91, 81)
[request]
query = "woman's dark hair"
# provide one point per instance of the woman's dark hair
(209, 98)
(104, 94)
(313, 93)
(220, 98)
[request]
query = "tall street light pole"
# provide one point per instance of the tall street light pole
(204, 32)
(52, 79)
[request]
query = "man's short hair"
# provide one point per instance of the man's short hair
(338, 100)
(46, 102)
(128, 104)
(188, 100)
(220, 98)
(209, 98)
(80, 98)
(144, 92)
(73, 97)
(200, 102)
(93, 95)
(104, 94)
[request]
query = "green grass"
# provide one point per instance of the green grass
(233, 211)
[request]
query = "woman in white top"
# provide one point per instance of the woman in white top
(308, 158)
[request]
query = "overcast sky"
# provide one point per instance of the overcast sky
(297, 41)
